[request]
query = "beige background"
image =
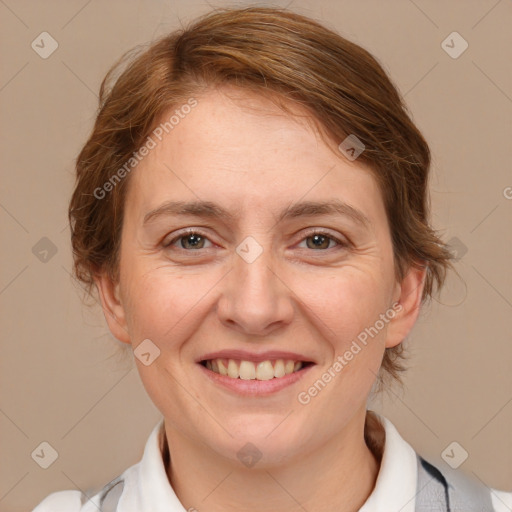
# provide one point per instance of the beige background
(61, 380)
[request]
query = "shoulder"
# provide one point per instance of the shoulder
(501, 500)
(458, 490)
(61, 501)
(125, 487)
(104, 499)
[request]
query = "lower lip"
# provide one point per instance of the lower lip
(255, 387)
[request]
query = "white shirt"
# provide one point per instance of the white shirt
(147, 488)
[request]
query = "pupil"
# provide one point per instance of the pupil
(319, 240)
(193, 240)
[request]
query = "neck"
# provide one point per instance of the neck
(339, 476)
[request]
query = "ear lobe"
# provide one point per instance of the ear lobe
(112, 306)
(409, 295)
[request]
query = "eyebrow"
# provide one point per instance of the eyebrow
(208, 209)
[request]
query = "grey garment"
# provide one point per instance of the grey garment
(452, 491)
(111, 496)
(435, 492)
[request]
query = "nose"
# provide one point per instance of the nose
(255, 299)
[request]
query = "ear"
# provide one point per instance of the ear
(112, 306)
(408, 300)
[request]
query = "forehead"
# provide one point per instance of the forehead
(236, 145)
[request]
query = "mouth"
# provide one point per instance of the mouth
(271, 369)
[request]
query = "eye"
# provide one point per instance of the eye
(322, 240)
(191, 239)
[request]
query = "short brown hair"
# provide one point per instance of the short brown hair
(279, 54)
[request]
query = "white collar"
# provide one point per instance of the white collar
(147, 486)
(156, 493)
(395, 488)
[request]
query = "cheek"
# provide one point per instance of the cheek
(346, 302)
(351, 309)
(162, 303)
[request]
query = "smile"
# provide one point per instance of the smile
(249, 370)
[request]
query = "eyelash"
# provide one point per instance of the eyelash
(313, 232)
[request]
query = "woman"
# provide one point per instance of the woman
(252, 209)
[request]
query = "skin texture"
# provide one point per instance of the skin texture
(239, 150)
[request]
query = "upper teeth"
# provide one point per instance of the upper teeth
(248, 370)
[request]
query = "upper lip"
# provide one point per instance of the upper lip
(255, 357)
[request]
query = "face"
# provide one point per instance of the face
(256, 267)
